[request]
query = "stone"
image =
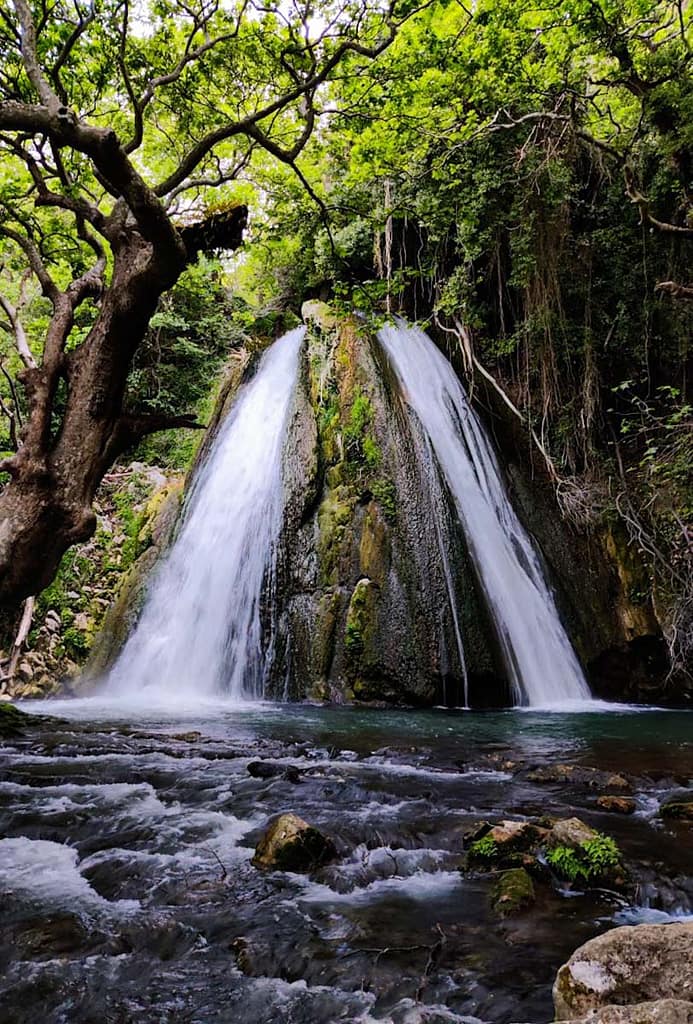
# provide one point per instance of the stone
(633, 964)
(53, 616)
(52, 624)
(681, 810)
(25, 671)
(617, 804)
(267, 770)
(513, 892)
(570, 832)
(291, 844)
(657, 1011)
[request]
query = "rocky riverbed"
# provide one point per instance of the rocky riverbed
(467, 856)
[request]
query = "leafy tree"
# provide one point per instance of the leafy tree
(122, 135)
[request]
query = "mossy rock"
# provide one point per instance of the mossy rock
(12, 720)
(360, 626)
(678, 809)
(291, 844)
(513, 892)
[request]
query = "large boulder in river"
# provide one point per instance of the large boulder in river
(625, 966)
(291, 844)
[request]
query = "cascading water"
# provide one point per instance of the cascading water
(200, 631)
(540, 660)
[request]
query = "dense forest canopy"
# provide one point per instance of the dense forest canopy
(518, 173)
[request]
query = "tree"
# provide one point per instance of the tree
(113, 134)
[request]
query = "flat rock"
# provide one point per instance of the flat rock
(656, 1011)
(626, 965)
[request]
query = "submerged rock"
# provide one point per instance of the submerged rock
(291, 844)
(513, 892)
(624, 966)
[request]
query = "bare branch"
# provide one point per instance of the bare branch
(12, 314)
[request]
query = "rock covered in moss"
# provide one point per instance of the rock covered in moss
(679, 809)
(12, 720)
(626, 965)
(513, 892)
(291, 844)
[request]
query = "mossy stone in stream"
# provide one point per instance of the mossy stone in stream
(513, 892)
(680, 810)
(12, 720)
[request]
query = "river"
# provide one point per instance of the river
(128, 892)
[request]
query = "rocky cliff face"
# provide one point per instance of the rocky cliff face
(371, 555)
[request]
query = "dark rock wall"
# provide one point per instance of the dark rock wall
(364, 610)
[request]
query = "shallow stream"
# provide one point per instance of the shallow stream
(128, 894)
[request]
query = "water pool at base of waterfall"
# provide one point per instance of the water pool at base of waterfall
(127, 833)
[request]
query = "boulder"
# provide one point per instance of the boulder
(617, 804)
(291, 844)
(658, 1011)
(633, 964)
(268, 770)
(570, 832)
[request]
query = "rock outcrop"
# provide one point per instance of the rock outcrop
(374, 584)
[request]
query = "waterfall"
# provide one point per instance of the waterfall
(538, 655)
(200, 630)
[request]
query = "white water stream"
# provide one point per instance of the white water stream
(200, 630)
(539, 657)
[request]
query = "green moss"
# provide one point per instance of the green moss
(334, 516)
(360, 622)
(513, 892)
(385, 493)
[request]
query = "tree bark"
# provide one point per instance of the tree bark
(46, 505)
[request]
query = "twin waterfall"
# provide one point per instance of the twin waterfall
(201, 629)
(537, 653)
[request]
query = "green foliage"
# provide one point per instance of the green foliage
(385, 493)
(590, 861)
(485, 848)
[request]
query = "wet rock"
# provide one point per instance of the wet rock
(505, 844)
(291, 844)
(55, 935)
(12, 720)
(570, 832)
(681, 810)
(513, 892)
(617, 804)
(624, 966)
(658, 1011)
(578, 775)
(267, 770)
